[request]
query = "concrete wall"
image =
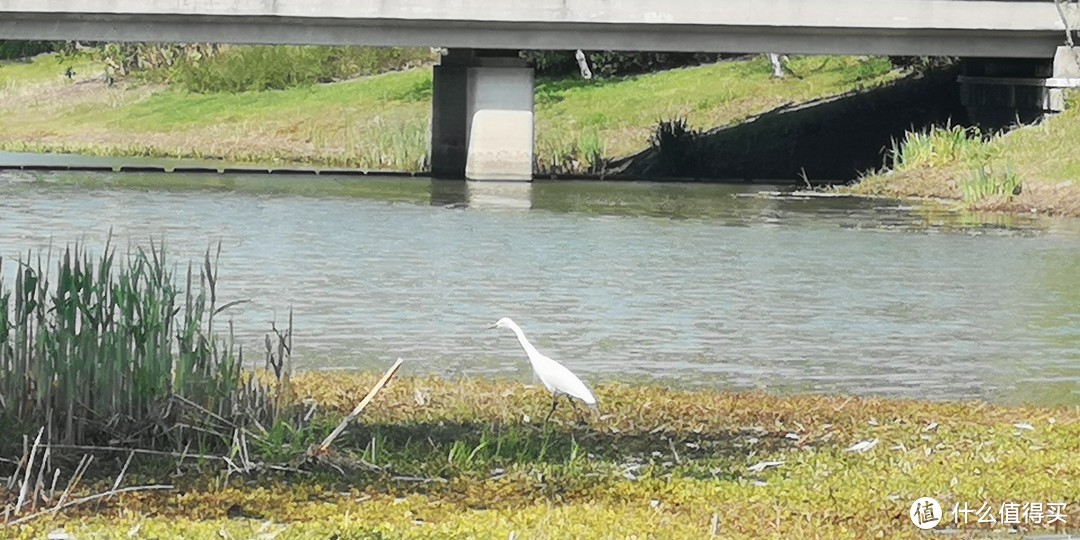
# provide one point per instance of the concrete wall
(449, 120)
(500, 123)
(920, 27)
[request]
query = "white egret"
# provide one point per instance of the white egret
(555, 377)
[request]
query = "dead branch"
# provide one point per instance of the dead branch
(181, 455)
(80, 470)
(123, 471)
(325, 445)
(24, 491)
(87, 499)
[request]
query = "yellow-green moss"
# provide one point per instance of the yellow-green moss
(652, 463)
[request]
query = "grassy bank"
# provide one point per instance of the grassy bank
(470, 458)
(1030, 169)
(382, 122)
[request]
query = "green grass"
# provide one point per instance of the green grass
(938, 147)
(382, 121)
(46, 68)
(1037, 161)
(987, 182)
(258, 68)
(622, 113)
(433, 458)
(179, 110)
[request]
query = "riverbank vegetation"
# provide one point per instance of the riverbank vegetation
(214, 69)
(139, 420)
(1030, 169)
(115, 349)
(382, 121)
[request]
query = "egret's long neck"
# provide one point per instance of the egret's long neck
(529, 349)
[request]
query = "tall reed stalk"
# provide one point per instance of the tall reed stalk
(113, 350)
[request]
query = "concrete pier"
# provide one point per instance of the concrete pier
(449, 114)
(482, 117)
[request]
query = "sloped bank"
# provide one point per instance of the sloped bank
(826, 140)
(381, 121)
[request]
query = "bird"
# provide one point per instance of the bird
(559, 380)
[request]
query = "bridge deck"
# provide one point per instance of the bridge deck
(915, 27)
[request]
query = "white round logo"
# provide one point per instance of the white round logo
(925, 513)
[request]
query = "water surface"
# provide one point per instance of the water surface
(693, 286)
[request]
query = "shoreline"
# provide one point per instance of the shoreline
(946, 162)
(116, 164)
(1059, 199)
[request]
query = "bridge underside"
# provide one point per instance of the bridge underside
(533, 35)
(974, 28)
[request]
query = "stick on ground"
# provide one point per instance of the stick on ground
(24, 490)
(109, 493)
(325, 445)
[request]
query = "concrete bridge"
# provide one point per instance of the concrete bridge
(482, 123)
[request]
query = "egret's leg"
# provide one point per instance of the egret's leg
(554, 403)
(577, 412)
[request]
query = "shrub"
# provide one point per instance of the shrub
(922, 64)
(676, 146)
(611, 63)
(11, 50)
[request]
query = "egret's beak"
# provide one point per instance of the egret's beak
(492, 327)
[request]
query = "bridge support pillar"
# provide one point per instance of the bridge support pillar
(482, 116)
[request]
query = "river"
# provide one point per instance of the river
(702, 286)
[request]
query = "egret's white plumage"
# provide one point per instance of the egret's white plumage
(554, 376)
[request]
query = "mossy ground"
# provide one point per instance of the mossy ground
(473, 459)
